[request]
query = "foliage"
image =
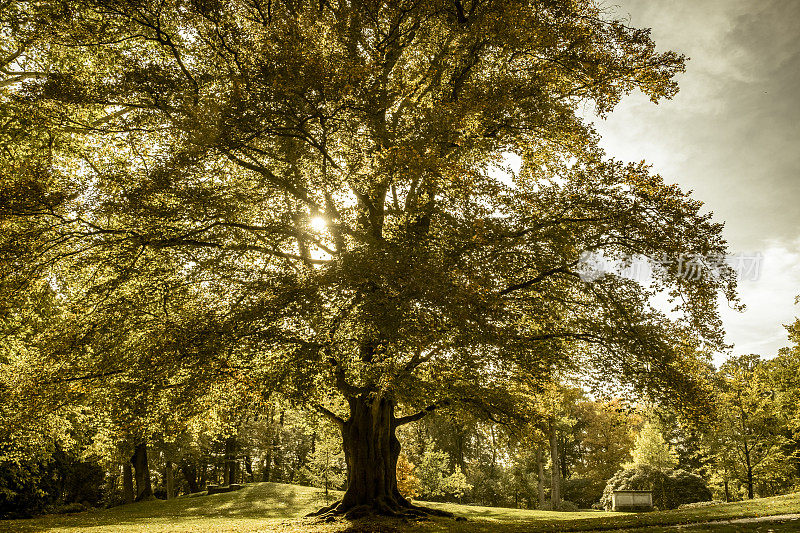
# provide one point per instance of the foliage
(407, 481)
(325, 467)
(583, 492)
(502, 466)
(606, 438)
(750, 440)
(207, 158)
(455, 485)
(650, 449)
(233, 203)
(434, 482)
(24, 489)
(783, 375)
(568, 507)
(671, 488)
(38, 484)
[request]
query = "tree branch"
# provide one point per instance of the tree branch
(341, 380)
(564, 269)
(338, 420)
(282, 184)
(420, 414)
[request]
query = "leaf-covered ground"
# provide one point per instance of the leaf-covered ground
(268, 507)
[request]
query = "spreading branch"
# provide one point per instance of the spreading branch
(419, 415)
(327, 413)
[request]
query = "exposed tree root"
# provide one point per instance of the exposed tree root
(383, 506)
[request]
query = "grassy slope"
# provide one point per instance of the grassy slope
(276, 507)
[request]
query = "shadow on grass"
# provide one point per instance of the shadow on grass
(257, 501)
(276, 507)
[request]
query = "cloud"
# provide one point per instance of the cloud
(732, 136)
(769, 300)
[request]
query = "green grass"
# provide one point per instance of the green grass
(516, 520)
(267, 507)
(257, 507)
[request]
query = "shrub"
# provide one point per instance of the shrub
(70, 508)
(47, 482)
(26, 488)
(584, 492)
(407, 481)
(568, 507)
(671, 488)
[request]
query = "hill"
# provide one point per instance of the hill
(267, 507)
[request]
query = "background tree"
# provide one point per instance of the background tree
(650, 449)
(783, 375)
(606, 441)
(326, 467)
(435, 481)
(749, 425)
(407, 481)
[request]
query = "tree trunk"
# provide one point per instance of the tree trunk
(127, 482)
(266, 467)
(555, 488)
(276, 471)
(144, 489)
(562, 458)
(749, 467)
(230, 461)
(371, 450)
(248, 468)
(169, 480)
(203, 480)
(189, 471)
(540, 477)
(267, 464)
(460, 460)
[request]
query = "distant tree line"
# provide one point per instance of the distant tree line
(748, 446)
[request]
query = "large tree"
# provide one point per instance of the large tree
(323, 177)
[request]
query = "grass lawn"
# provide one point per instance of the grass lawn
(267, 507)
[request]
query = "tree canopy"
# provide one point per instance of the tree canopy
(307, 198)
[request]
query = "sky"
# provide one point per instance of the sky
(732, 135)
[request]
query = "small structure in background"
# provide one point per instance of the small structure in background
(217, 489)
(632, 500)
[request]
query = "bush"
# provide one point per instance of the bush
(47, 483)
(584, 492)
(671, 488)
(568, 507)
(26, 488)
(70, 508)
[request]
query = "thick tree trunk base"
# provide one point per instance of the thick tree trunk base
(383, 506)
(371, 450)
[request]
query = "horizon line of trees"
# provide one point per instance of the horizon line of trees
(749, 447)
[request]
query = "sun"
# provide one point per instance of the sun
(319, 224)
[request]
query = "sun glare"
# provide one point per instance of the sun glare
(319, 224)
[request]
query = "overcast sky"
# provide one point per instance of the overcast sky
(732, 135)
